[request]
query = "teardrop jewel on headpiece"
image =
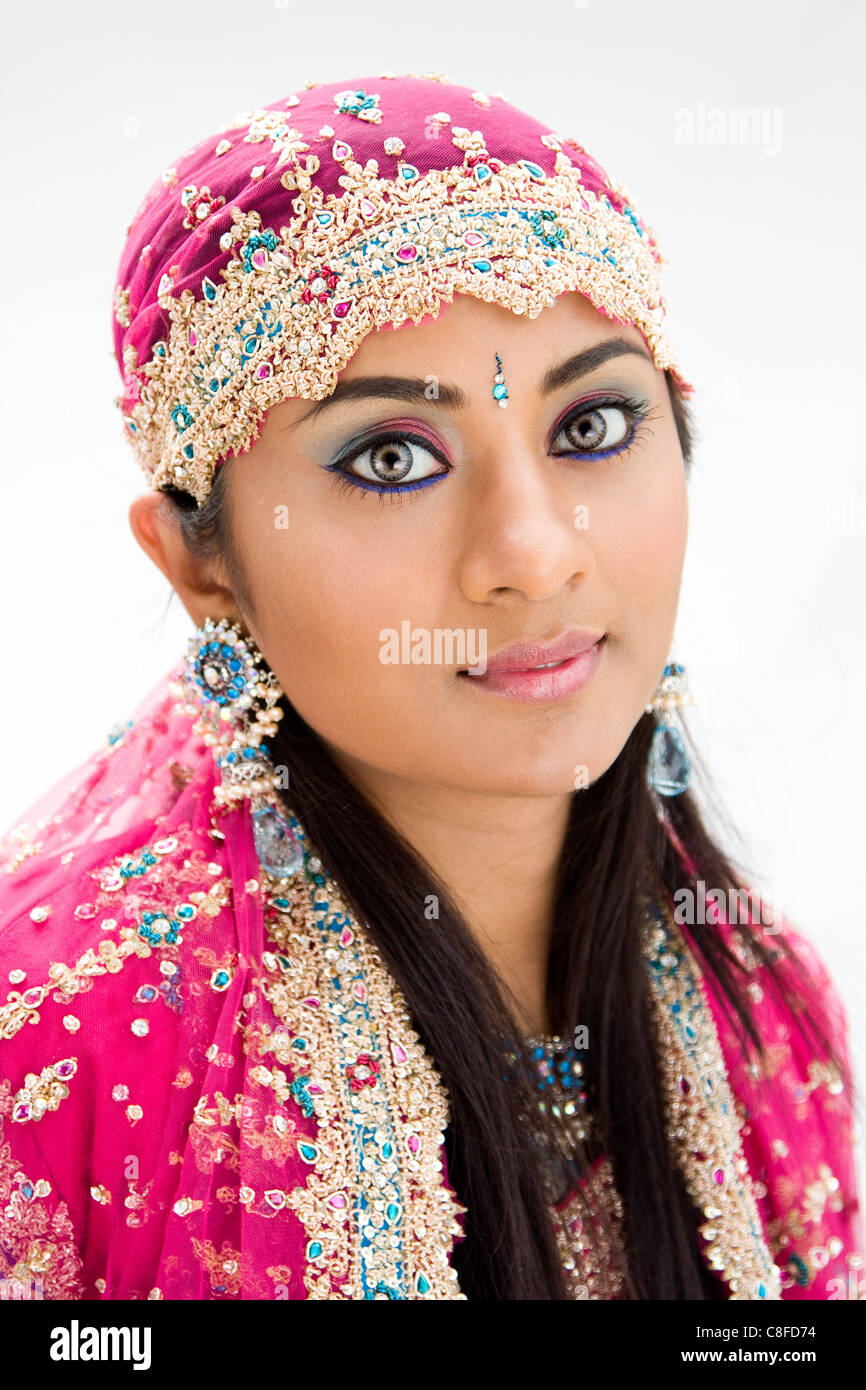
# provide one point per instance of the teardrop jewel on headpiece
(669, 767)
(228, 688)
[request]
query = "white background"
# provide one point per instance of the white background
(765, 290)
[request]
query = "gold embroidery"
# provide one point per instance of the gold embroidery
(380, 1220)
(35, 1245)
(702, 1117)
(69, 980)
(223, 1266)
(594, 1267)
(43, 1092)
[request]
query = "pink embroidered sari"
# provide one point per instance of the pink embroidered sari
(163, 1134)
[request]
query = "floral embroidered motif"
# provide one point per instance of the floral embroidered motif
(207, 1133)
(43, 1092)
(223, 1266)
(35, 1243)
(359, 104)
(199, 204)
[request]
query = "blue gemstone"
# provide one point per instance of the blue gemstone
(277, 849)
(500, 391)
(669, 765)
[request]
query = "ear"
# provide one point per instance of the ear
(199, 583)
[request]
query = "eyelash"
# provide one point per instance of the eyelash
(631, 406)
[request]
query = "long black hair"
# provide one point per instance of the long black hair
(617, 834)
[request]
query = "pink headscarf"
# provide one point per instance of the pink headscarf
(257, 264)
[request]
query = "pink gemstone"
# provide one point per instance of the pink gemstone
(398, 1054)
(311, 1002)
(719, 1175)
(264, 371)
(407, 252)
(473, 239)
(341, 150)
(368, 208)
(21, 1112)
(259, 258)
(32, 997)
(85, 910)
(192, 338)
(346, 937)
(338, 1201)
(342, 309)
(414, 1143)
(64, 1069)
(359, 991)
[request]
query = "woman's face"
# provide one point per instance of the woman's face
(565, 510)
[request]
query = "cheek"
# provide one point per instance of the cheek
(322, 599)
(651, 548)
(644, 567)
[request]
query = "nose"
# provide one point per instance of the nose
(519, 533)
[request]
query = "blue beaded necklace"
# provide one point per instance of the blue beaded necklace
(557, 1069)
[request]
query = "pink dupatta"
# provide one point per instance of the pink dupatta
(160, 1136)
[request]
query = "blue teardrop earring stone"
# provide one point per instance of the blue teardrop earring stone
(277, 849)
(669, 765)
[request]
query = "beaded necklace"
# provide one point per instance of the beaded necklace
(557, 1069)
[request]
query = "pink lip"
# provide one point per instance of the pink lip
(508, 672)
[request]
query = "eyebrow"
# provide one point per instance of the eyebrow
(453, 397)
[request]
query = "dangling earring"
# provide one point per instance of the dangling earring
(500, 390)
(669, 767)
(227, 685)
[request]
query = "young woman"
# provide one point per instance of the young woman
(385, 953)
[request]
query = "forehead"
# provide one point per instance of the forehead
(469, 330)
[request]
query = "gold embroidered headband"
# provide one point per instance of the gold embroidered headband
(249, 276)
